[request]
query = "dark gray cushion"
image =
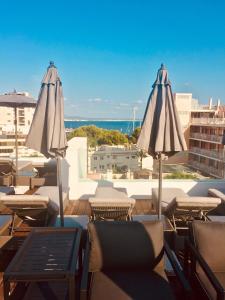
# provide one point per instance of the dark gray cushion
(209, 239)
(207, 284)
(125, 245)
(142, 285)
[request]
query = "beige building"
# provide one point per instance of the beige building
(24, 114)
(207, 128)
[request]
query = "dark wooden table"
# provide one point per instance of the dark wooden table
(48, 256)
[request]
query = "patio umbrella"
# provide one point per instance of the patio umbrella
(16, 100)
(47, 132)
(161, 133)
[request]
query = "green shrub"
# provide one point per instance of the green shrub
(180, 175)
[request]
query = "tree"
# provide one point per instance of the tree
(134, 136)
(99, 136)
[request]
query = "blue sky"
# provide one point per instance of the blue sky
(108, 52)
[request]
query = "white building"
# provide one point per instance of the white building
(116, 158)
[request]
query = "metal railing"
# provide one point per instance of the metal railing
(218, 154)
(207, 169)
(210, 121)
(206, 137)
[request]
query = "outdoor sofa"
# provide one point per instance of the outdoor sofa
(111, 204)
(206, 251)
(125, 260)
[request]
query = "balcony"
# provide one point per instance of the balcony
(219, 173)
(218, 155)
(206, 137)
(208, 121)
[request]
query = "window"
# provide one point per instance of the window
(95, 158)
(133, 156)
(101, 157)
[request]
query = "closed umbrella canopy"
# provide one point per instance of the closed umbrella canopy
(161, 132)
(47, 133)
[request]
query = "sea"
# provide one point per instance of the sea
(124, 126)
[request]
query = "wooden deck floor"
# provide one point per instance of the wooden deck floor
(82, 207)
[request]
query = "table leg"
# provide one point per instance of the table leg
(71, 288)
(6, 287)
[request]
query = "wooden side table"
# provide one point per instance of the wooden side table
(48, 255)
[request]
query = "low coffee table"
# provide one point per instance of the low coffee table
(48, 256)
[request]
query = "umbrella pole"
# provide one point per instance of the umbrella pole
(160, 187)
(16, 143)
(59, 183)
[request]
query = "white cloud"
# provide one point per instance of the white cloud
(139, 101)
(124, 104)
(96, 100)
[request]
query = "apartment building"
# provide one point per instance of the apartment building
(204, 127)
(207, 128)
(24, 115)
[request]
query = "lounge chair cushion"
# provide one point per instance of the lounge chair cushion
(110, 192)
(168, 195)
(28, 200)
(191, 204)
(220, 209)
(126, 245)
(126, 285)
(217, 193)
(52, 192)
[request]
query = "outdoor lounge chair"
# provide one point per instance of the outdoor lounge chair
(182, 210)
(125, 260)
(7, 171)
(32, 208)
(206, 249)
(168, 195)
(218, 193)
(111, 204)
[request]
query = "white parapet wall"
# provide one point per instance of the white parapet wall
(74, 178)
(143, 188)
(74, 166)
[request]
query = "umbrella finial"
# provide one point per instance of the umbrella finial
(162, 66)
(51, 64)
